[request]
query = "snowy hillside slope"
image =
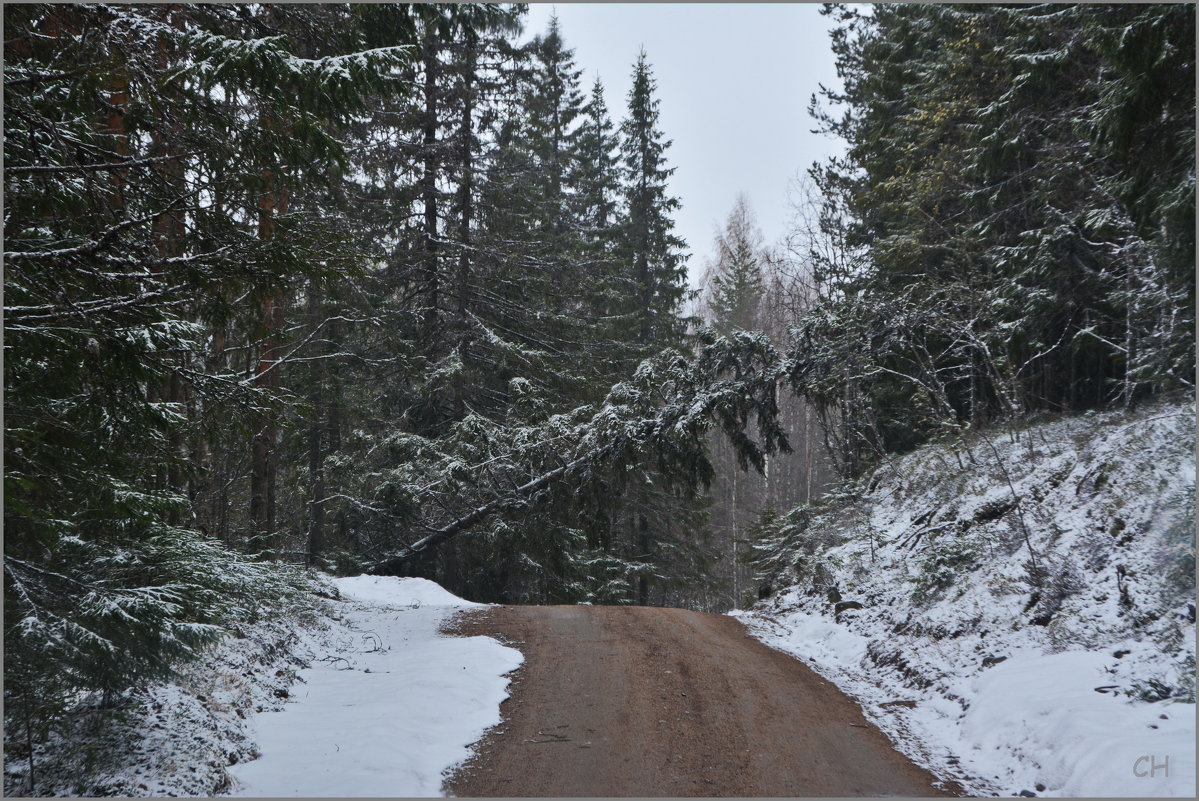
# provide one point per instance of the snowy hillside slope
(1016, 611)
(361, 696)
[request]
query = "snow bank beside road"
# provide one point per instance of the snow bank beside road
(391, 704)
(1034, 719)
(990, 587)
(1044, 710)
(412, 592)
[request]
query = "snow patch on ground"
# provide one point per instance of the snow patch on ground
(996, 657)
(1044, 709)
(390, 708)
(1034, 719)
(362, 696)
(412, 592)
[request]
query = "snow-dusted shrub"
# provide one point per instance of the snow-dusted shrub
(94, 620)
(944, 562)
(1053, 579)
(1178, 536)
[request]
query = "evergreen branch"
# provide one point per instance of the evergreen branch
(31, 78)
(100, 306)
(104, 240)
(119, 165)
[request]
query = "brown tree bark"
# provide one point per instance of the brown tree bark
(316, 459)
(272, 202)
(169, 230)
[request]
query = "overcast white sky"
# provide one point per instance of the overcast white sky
(733, 80)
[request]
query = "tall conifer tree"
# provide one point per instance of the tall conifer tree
(653, 254)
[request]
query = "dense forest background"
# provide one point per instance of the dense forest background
(378, 288)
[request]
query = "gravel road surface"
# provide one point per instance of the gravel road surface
(644, 701)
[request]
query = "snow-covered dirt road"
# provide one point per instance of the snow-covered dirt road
(634, 701)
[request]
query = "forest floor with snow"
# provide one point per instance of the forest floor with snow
(364, 698)
(1016, 612)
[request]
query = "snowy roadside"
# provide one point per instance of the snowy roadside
(360, 697)
(1033, 723)
(1071, 674)
(390, 707)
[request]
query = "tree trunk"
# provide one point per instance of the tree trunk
(733, 543)
(429, 185)
(451, 574)
(169, 230)
(316, 461)
(263, 463)
(643, 547)
(1130, 338)
(808, 466)
(465, 217)
(118, 101)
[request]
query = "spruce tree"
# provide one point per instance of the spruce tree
(554, 104)
(597, 176)
(736, 285)
(654, 274)
(653, 255)
(734, 293)
(598, 213)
